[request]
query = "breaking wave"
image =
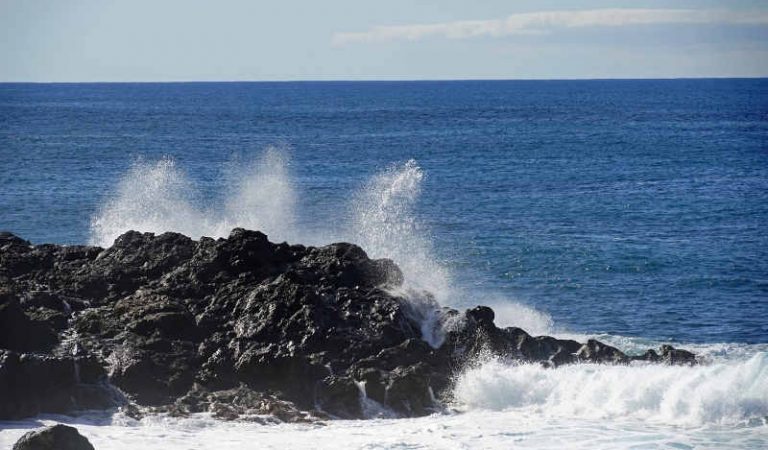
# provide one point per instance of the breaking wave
(723, 393)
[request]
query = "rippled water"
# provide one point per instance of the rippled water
(634, 211)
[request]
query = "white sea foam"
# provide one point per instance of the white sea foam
(724, 393)
(474, 429)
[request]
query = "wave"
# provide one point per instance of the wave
(723, 393)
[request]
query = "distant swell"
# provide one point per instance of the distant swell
(719, 393)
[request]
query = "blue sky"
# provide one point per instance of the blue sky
(164, 40)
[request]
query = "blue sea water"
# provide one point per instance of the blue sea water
(632, 208)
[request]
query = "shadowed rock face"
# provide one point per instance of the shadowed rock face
(241, 327)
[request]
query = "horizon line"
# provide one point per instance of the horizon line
(386, 80)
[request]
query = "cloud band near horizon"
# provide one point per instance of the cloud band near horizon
(545, 22)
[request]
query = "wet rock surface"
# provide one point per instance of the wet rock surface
(240, 327)
(57, 437)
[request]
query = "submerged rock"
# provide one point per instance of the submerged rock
(57, 437)
(240, 327)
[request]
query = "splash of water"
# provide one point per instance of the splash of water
(151, 197)
(158, 197)
(514, 314)
(259, 194)
(385, 225)
(264, 197)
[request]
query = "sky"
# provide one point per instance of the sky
(234, 40)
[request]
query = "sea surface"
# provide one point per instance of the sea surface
(634, 211)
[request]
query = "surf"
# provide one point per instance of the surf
(382, 217)
(721, 393)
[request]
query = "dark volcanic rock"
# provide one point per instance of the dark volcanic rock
(57, 437)
(31, 384)
(596, 351)
(240, 327)
(676, 356)
(19, 331)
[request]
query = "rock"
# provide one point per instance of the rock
(222, 411)
(482, 314)
(34, 384)
(57, 437)
(7, 239)
(242, 328)
(340, 396)
(408, 391)
(650, 355)
(674, 356)
(240, 403)
(18, 331)
(596, 351)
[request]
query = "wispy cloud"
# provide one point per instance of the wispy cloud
(545, 22)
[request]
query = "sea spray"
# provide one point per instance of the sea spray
(259, 193)
(158, 197)
(262, 197)
(386, 226)
(154, 197)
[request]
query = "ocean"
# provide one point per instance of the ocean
(634, 211)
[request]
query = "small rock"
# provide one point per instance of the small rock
(223, 412)
(57, 437)
(482, 314)
(674, 356)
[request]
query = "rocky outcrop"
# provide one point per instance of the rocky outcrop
(57, 437)
(241, 327)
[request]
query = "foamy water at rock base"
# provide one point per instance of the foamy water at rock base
(720, 405)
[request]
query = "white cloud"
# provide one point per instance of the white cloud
(547, 21)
